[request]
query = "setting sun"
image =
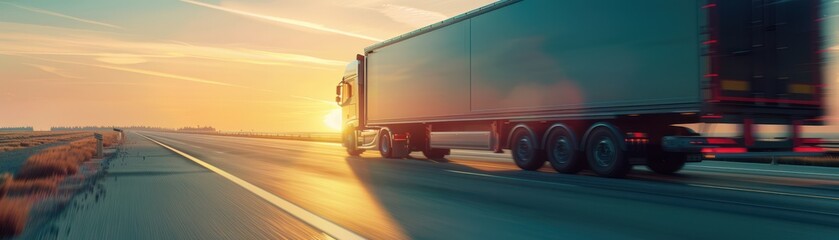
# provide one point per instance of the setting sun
(333, 119)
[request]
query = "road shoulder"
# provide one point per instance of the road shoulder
(149, 192)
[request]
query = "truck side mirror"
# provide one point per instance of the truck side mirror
(338, 100)
(338, 90)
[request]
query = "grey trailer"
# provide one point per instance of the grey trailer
(603, 85)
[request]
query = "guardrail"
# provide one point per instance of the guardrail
(319, 137)
(832, 147)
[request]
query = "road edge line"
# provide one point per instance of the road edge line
(767, 170)
(509, 178)
(765, 192)
(310, 218)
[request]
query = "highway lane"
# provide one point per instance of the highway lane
(482, 195)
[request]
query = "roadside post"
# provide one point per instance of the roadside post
(119, 134)
(98, 137)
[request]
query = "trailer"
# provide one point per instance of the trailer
(602, 86)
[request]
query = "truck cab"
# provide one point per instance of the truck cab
(347, 92)
(355, 136)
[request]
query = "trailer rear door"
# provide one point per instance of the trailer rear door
(766, 54)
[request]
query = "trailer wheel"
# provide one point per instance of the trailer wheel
(562, 153)
(436, 153)
(525, 153)
(605, 156)
(351, 143)
(666, 163)
(385, 145)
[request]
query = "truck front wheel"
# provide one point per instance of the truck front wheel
(385, 145)
(351, 143)
(525, 153)
(605, 156)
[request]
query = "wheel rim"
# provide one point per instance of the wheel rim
(524, 149)
(604, 152)
(561, 150)
(385, 143)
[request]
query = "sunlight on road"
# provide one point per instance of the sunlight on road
(338, 194)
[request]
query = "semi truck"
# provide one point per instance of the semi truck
(603, 86)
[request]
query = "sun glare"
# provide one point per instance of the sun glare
(333, 119)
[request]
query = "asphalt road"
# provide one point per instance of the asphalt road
(481, 195)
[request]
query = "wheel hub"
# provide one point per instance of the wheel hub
(524, 150)
(562, 150)
(605, 152)
(385, 143)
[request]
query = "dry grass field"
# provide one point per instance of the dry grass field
(42, 173)
(13, 215)
(17, 140)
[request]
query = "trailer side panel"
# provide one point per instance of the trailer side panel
(424, 77)
(547, 55)
(542, 58)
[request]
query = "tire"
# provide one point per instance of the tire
(350, 142)
(525, 152)
(561, 152)
(666, 163)
(436, 153)
(605, 156)
(385, 145)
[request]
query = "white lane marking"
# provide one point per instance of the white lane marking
(480, 164)
(314, 220)
(509, 178)
(764, 191)
(767, 170)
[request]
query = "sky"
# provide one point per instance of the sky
(251, 65)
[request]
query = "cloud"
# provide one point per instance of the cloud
(412, 16)
(313, 99)
(109, 83)
(55, 14)
(159, 74)
(288, 21)
(54, 70)
(137, 71)
(292, 57)
(121, 59)
(27, 39)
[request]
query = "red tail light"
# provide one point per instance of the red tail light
(400, 137)
(808, 149)
(636, 135)
(724, 150)
(720, 141)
